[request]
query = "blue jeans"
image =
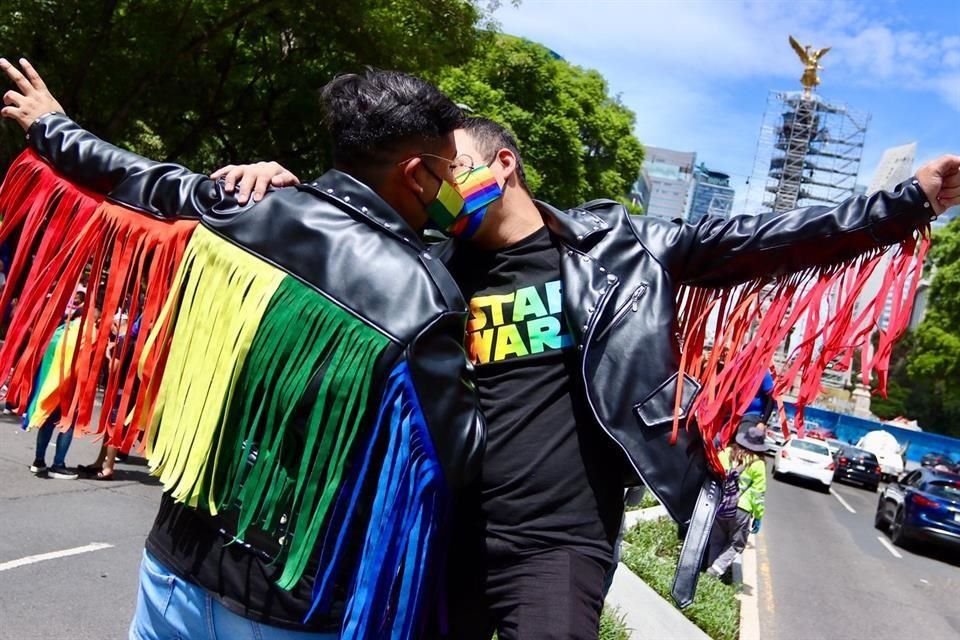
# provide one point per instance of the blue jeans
(170, 608)
(64, 438)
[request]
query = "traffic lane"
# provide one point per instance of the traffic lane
(824, 574)
(922, 560)
(91, 594)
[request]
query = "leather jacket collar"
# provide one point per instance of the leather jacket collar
(578, 228)
(349, 193)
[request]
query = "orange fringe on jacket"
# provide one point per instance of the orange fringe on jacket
(64, 231)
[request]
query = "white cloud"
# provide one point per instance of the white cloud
(726, 41)
(696, 72)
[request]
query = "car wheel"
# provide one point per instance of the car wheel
(873, 488)
(777, 475)
(897, 536)
(878, 520)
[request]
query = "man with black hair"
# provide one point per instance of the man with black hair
(573, 334)
(346, 244)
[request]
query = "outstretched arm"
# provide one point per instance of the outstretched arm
(160, 189)
(724, 252)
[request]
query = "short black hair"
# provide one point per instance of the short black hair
(491, 136)
(372, 117)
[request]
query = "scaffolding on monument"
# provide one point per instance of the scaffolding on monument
(808, 152)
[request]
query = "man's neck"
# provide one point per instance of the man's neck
(517, 219)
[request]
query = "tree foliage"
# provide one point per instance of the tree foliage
(925, 369)
(206, 82)
(577, 140)
(211, 81)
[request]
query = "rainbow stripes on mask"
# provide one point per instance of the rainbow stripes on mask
(460, 208)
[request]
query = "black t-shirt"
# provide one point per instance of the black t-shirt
(550, 476)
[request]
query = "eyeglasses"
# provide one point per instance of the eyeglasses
(461, 166)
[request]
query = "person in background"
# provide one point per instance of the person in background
(75, 306)
(102, 468)
(744, 490)
(43, 410)
(763, 404)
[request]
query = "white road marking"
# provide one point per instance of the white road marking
(842, 501)
(53, 555)
(889, 547)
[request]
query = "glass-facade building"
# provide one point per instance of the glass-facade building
(711, 195)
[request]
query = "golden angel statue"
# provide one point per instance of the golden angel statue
(811, 58)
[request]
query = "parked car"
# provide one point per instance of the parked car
(805, 458)
(924, 505)
(857, 465)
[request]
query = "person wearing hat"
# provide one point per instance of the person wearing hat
(744, 489)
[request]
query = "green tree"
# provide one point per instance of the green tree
(211, 81)
(577, 140)
(925, 366)
(934, 362)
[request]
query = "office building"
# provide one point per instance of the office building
(664, 187)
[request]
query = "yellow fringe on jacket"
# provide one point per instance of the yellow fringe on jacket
(219, 297)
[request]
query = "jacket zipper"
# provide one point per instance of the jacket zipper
(593, 409)
(632, 305)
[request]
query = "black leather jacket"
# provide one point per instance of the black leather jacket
(620, 278)
(336, 235)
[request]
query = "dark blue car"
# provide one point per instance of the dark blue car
(924, 505)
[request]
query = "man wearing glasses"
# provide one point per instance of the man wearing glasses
(393, 137)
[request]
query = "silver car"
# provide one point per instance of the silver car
(774, 437)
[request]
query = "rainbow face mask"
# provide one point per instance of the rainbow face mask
(460, 208)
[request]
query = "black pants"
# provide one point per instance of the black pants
(555, 594)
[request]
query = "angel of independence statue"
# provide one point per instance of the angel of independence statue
(811, 58)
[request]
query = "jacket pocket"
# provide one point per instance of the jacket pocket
(657, 408)
(632, 305)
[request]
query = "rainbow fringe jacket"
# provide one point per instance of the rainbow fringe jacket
(300, 367)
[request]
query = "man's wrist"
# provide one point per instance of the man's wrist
(927, 204)
(39, 120)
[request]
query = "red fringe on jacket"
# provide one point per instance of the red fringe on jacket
(131, 258)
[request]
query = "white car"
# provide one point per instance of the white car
(806, 458)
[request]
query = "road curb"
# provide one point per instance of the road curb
(647, 615)
(749, 592)
(631, 518)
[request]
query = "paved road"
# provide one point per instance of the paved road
(823, 574)
(89, 596)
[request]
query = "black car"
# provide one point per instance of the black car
(857, 465)
(924, 505)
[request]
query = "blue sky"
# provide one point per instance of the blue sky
(697, 74)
